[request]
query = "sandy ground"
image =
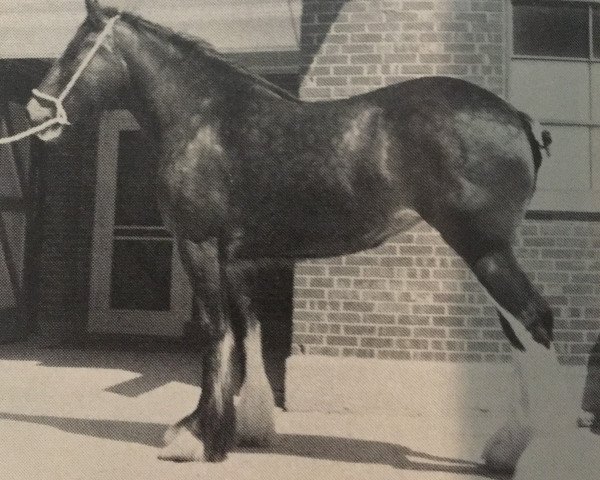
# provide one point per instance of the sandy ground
(100, 415)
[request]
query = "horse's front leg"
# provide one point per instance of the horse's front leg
(209, 431)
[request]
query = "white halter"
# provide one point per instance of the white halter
(61, 115)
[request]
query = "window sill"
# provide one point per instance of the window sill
(565, 203)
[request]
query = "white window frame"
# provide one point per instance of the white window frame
(587, 201)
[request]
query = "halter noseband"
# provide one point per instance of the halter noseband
(61, 115)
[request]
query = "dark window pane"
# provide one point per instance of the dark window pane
(141, 275)
(136, 181)
(550, 29)
(596, 30)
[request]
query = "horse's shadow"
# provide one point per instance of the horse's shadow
(158, 365)
(329, 448)
(350, 450)
(156, 362)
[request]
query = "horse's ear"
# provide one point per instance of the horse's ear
(94, 11)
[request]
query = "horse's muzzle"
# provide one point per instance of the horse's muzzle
(39, 114)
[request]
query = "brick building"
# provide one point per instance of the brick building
(413, 298)
(410, 299)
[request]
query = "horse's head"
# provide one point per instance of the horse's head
(101, 81)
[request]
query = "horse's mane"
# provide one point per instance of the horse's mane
(191, 43)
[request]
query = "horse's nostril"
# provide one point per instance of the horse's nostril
(37, 112)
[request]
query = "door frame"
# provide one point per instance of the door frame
(103, 318)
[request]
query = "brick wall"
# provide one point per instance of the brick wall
(413, 298)
(353, 46)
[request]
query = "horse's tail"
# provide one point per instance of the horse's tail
(539, 139)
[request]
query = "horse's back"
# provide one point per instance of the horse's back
(311, 172)
(461, 152)
(341, 172)
(462, 146)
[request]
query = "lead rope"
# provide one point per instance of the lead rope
(61, 115)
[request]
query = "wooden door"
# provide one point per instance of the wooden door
(138, 285)
(15, 187)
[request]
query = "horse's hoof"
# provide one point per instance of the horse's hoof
(541, 334)
(171, 433)
(503, 450)
(181, 446)
(255, 422)
(255, 435)
(585, 419)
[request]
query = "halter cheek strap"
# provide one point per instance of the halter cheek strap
(61, 115)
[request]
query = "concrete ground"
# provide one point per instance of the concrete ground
(96, 414)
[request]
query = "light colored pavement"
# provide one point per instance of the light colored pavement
(100, 415)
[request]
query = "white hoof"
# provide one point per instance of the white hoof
(171, 433)
(255, 422)
(182, 446)
(504, 448)
(585, 419)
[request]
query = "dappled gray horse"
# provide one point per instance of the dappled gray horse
(250, 175)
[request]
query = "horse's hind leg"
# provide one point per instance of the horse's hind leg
(483, 240)
(538, 396)
(255, 423)
(540, 402)
(527, 321)
(514, 295)
(209, 432)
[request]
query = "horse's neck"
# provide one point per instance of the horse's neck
(170, 94)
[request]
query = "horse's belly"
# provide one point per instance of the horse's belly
(323, 236)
